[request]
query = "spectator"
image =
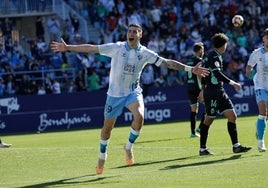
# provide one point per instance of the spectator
(80, 81)
(160, 81)
(41, 90)
(156, 15)
(112, 21)
(123, 22)
(41, 46)
(161, 45)
(24, 85)
(41, 5)
(17, 47)
(11, 86)
(48, 83)
(120, 6)
(56, 60)
(54, 28)
(172, 79)
(153, 44)
(34, 87)
(171, 45)
(16, 63)
(93, 81)
(147, 79)
(68, 31)
(108, 35)
(71, 87)
(3, 54)
(105, 81)
(56, 87)
(75, 22)
(2, 87)
(39, 28)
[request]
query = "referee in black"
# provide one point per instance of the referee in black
(216, 99)
(194, 88)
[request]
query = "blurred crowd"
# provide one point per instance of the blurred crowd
(170, 28)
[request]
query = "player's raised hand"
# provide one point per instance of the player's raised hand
(237, 86)
(200, 71)
(58, 47)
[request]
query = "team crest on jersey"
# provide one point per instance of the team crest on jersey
(139, 57)
(217, 64)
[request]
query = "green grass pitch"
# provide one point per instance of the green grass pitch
(165, 157)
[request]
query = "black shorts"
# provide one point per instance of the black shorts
(216, 101)
(193, 94)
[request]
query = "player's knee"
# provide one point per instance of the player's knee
(139, 117)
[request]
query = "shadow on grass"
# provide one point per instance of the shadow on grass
(162, 140)
(234, 157)
(156, 162)
(71, 182)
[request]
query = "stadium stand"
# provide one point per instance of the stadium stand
(170, 28)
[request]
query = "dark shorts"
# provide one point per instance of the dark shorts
(193, 94)
(216, 101)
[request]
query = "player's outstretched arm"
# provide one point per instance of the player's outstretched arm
(197, 69)
(63, 47)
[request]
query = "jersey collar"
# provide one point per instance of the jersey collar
(217, 52)
(136, 49)
(263, 50)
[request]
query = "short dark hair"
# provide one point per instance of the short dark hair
(265, 32)
(219, 39)
(198, 46)
(135, 25)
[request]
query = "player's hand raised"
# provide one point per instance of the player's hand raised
(200, 71)
(58, 47)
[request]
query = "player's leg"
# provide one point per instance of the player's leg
(4, 145)
(136, 107)
(204, 128)
(261, 99)
(193, 117)
(261, 125)
(193, 94)
(104, 141)
(113, 108)
(232, 130)
(211, 105)
(231, 124)
(201, 121)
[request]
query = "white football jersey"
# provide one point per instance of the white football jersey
(259, 57)
(126, 66)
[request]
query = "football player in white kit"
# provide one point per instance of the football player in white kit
(128, 59)
(259, 58)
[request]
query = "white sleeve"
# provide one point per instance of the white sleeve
(252, 58)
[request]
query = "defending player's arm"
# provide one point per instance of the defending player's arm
(197, 69)
(221, 77)
(63, 47)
